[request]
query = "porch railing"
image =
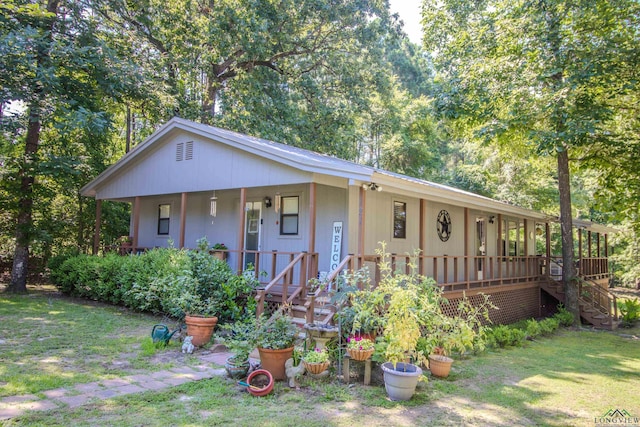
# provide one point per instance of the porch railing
(457, 273)
(593, 295)
(303, 266)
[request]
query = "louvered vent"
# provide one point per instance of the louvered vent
(189, 152)
(179, 151)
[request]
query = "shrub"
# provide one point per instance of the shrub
(505, 336)
(549, 325)
(532, 329)
(564, 317)
(630, 312)
(162, 281)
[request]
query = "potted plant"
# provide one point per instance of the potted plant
(458, 333)
(408, 304)
(219, 251)
(239, 341)
(360, 348)
(199, 316)
(316, 361)
(275, 338)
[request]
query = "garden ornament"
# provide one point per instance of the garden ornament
(187, 347)
(161, 335)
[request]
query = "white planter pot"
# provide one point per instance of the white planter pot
(401, 382)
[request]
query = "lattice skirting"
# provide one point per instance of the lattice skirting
(513, 305)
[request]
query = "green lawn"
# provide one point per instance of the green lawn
(567, 379)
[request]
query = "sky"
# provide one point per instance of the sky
(409, 11)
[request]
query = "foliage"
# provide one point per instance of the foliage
(275, 333)
(630, 311)
(359, 343)
(564, 316)
(239, 339)
(551, 78)
(162, 280)
(316, 356)
(505, 336)
(219, 246)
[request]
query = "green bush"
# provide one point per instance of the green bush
(505, 336)
(159, 281)
(564, 317)
(532, 329)
(629, 311)
(549, 325)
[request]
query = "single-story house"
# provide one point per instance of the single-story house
(296, 214)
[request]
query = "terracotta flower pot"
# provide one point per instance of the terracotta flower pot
(200, 328)
(260, 382)
(439, 365)
(274, 360)
(360, 355)
(315, 368)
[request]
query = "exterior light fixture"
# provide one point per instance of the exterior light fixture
(267, 201)
(371, 186)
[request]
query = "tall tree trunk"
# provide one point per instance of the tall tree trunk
(566, 224)
(26, 174)
(19, 270)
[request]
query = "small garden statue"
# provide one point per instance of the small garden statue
(187, 347)
(293, 372)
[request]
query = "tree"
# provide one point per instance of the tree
(55, 61)
(296, 71)
(544, 72)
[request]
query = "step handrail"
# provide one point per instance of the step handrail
(611, 308)
(310, 304)
(285, 272)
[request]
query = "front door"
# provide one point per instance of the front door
(252, 228)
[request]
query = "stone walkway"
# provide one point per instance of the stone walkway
(80, 394)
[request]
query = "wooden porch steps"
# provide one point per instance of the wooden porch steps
(597, 316)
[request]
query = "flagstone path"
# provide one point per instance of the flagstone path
(78, 395)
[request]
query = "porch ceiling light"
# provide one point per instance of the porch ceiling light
(371, 186)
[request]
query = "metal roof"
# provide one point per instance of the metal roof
(310, 161)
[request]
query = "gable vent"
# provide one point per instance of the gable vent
(179, 151)
(189, 153)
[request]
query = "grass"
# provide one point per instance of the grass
(565, 379)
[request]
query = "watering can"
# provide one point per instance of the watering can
(160, 334)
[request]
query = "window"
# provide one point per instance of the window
(164, 216)
(289, 216)
(399, 220)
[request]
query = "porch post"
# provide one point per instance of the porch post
(421, 237)
(361, 219)
(579, 245)
(589, 243)
(96, 235)
(183, 219)
(466, 247)
(312, 217)
(243, 217)
(606, 246)
(136, 221)
(547, 231)
(501, 244)
(598, 243)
